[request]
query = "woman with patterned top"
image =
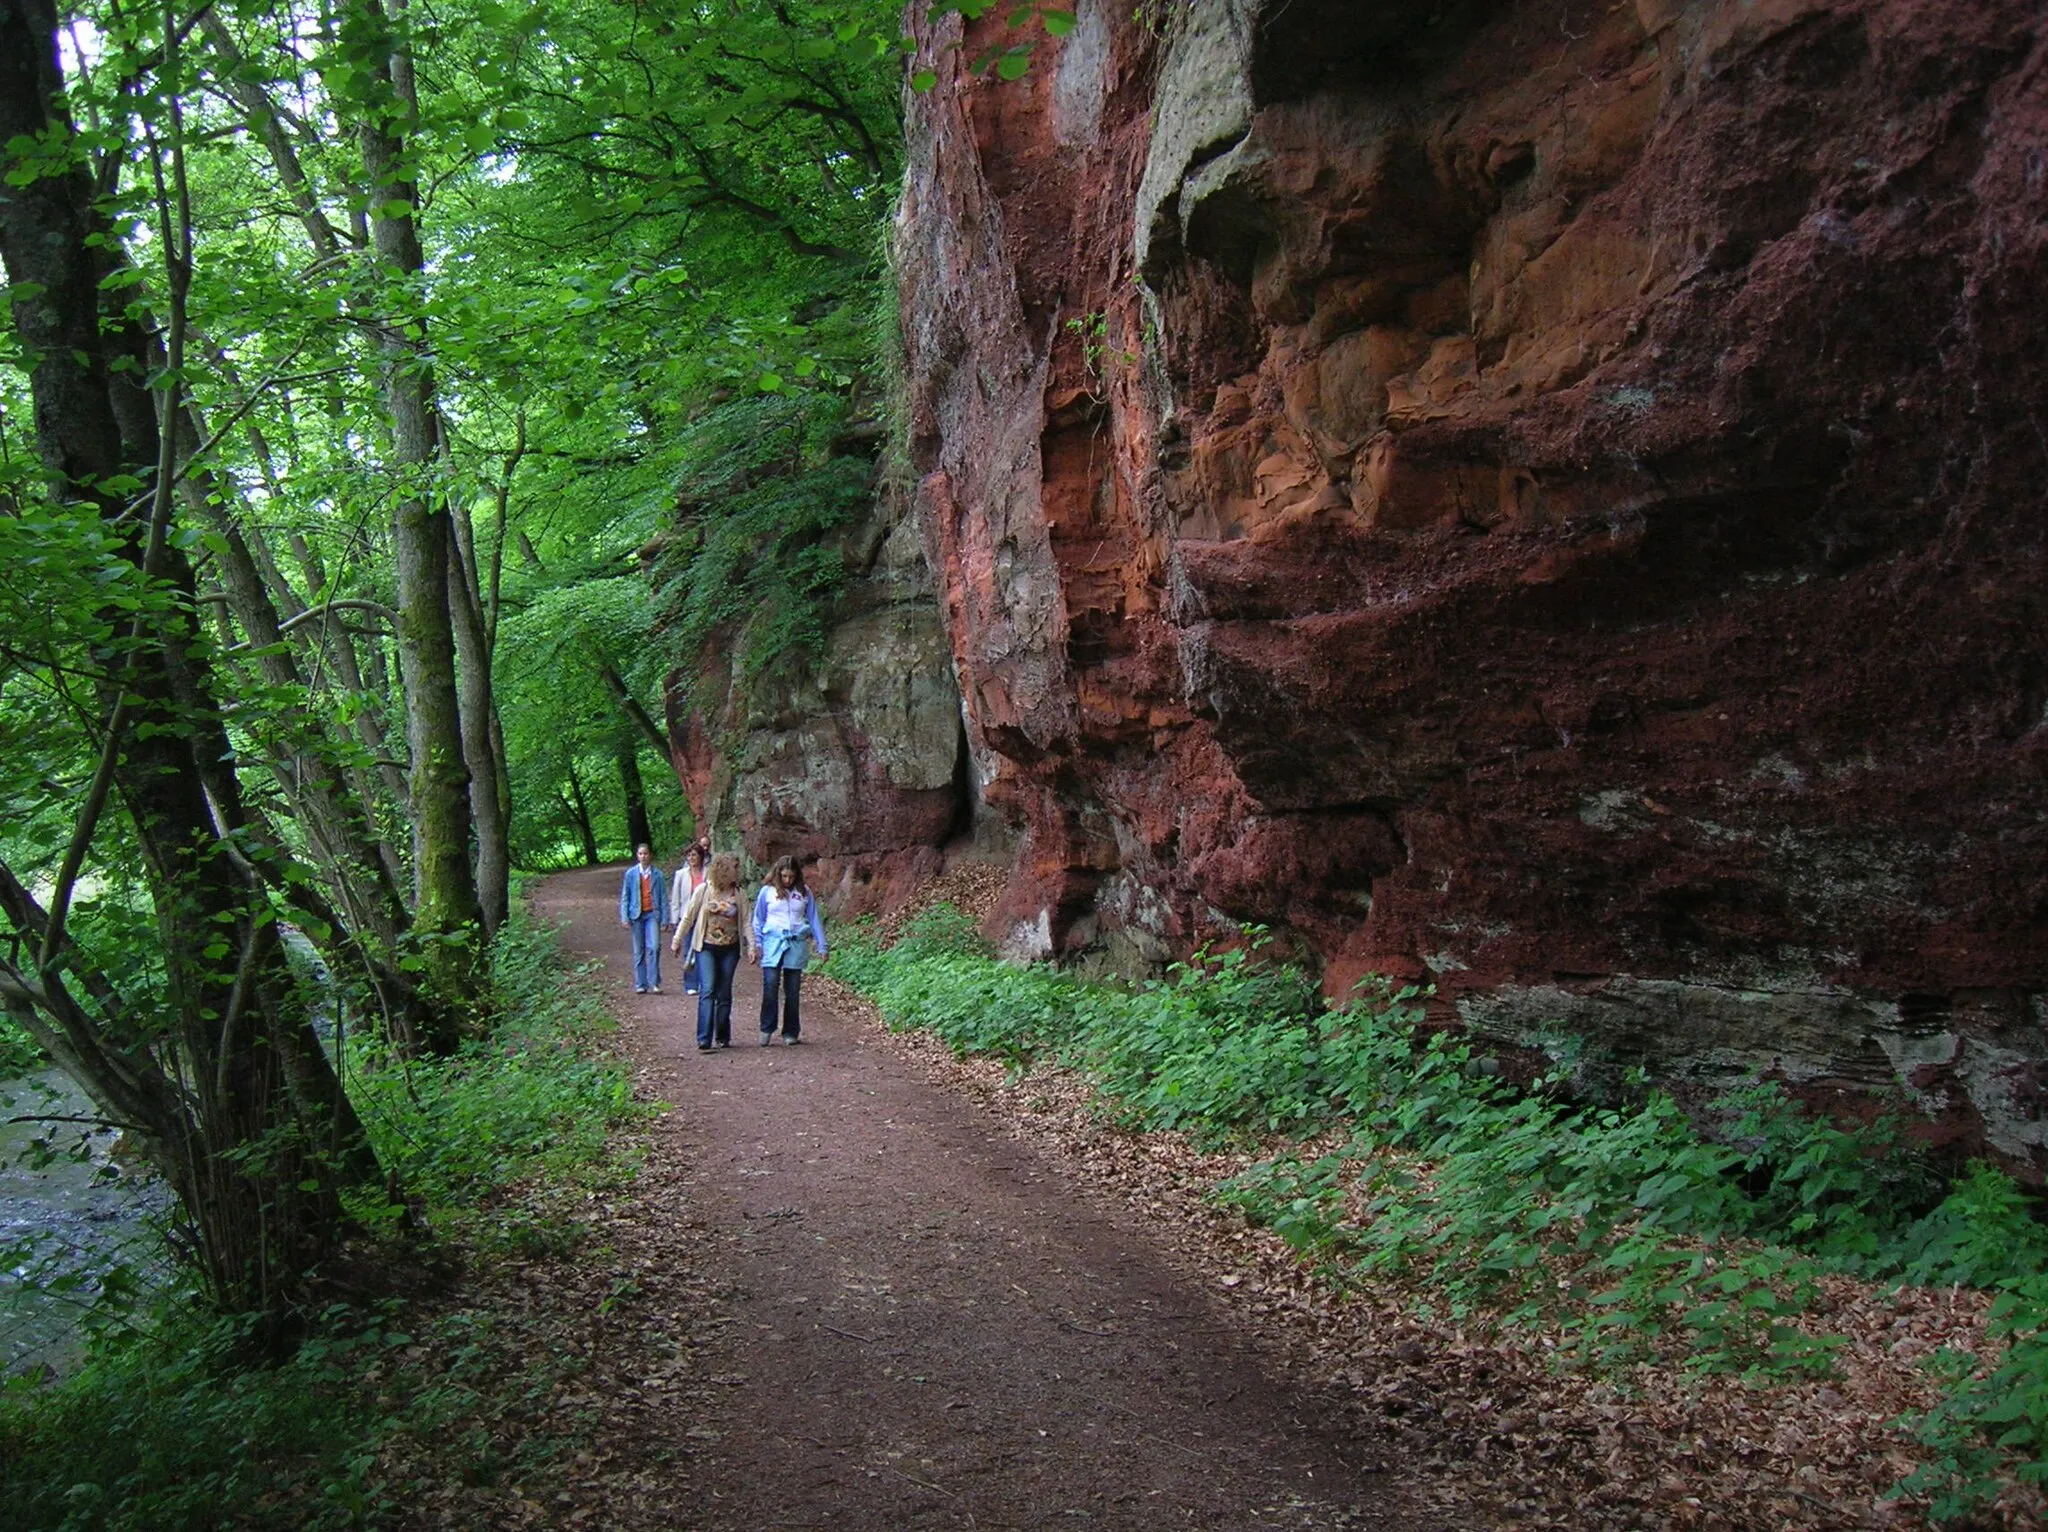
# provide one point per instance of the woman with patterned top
(710, 924)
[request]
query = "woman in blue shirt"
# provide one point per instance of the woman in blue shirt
(786, 926)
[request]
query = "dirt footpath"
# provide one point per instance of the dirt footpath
(919, 1326)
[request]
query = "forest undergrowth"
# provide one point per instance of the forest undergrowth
(1623, 1246)
(395, 1409)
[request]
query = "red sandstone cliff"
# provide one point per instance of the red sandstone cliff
(1543, 496)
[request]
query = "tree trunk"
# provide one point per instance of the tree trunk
(490, 798)
(447, 914)
(234, 76)
(365, 941)
(630, 705)
(332, 640)
(579, 810)
(638, 831)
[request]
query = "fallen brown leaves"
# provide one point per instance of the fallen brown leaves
(577, 1384)
(973, 888)
(1497, 1433)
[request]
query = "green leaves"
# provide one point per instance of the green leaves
(1007, 60)
(760, 490)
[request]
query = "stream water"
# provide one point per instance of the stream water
(73, 1208)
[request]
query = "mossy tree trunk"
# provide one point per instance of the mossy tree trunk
(447, 914)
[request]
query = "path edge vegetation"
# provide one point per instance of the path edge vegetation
(176, 1421)
(1620, 1234)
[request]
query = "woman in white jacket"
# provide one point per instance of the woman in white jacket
(689, 878)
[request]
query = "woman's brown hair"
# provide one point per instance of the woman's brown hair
(775, 876)
(725, 871)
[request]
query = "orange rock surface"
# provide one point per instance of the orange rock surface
(1545, 498)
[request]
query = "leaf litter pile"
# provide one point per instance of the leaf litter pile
(575, 1374)
(1497, 1430)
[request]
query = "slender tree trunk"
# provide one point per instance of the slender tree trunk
(494, 585)
(234, 75)
(335, 644)
(579, 810)
(365, 940)
(630, 705)
(376, 674)
(447, 913)
(638, 831)
(490, 799)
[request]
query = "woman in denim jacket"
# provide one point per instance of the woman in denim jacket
(786, 927)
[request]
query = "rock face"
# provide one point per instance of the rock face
(855, 762)
(1542, 497)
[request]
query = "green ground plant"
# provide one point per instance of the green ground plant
(536, 1097)
(170, 1425)
(1620, 1230)
(18, 1052)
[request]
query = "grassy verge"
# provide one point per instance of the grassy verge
(1621, 1234)
(168, 1425)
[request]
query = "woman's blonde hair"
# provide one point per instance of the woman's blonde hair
(725, 871)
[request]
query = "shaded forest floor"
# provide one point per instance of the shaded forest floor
(864, 1284)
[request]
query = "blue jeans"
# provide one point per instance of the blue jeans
(790, 982)
(646, 952)
(715, 969)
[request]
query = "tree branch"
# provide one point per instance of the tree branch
(642, 719)
(81, 835)
(340, 604)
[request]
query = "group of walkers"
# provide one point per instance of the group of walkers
(701, 909)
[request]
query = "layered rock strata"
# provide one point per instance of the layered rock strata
(1544, 498)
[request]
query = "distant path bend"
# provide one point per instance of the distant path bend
(922, 1327)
